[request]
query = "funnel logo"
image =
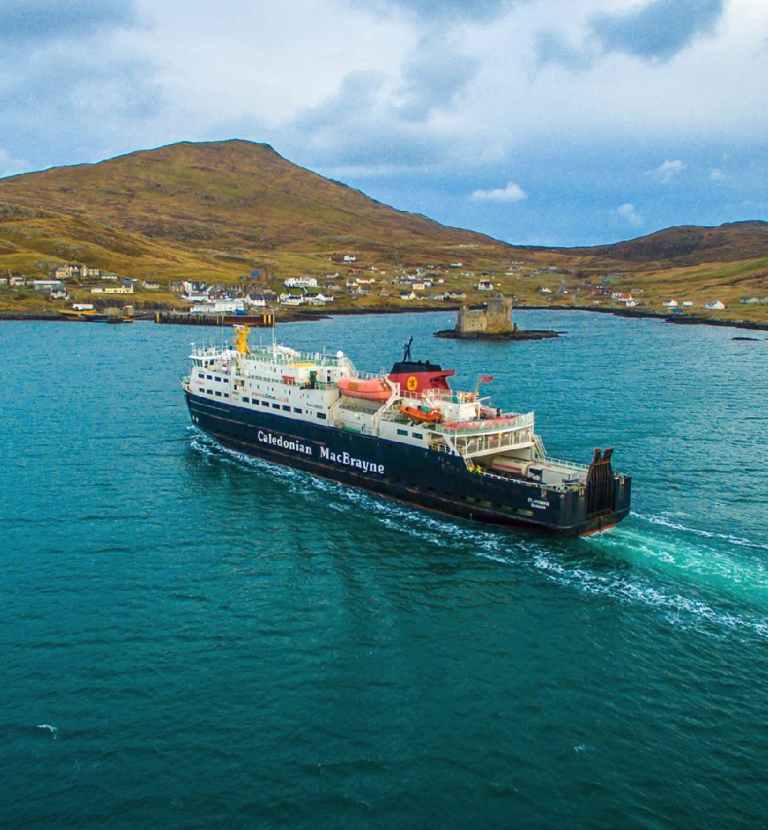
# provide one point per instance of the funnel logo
(411, 383)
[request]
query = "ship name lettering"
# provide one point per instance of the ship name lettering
(351, 461)
(283, 443)
(539, 504)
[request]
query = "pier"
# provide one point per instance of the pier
(185, 318)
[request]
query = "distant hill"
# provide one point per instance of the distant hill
(689, 245)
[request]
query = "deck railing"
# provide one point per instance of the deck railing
(492, 425)
(494, 442)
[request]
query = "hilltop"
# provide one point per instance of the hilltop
(224, 202)
(218, 210)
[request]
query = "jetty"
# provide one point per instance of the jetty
(265, 319)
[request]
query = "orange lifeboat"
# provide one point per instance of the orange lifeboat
(376, 389)
(431, 416)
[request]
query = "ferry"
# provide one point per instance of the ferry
(404, 434)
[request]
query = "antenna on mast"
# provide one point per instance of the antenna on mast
(407, 352)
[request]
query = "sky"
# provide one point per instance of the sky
(538, 122)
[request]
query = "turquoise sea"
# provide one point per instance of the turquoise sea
(193, 639)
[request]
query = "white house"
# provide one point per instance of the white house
(301, 282)
(715, 305)
(670, 304)
(687, 304)
(116, 289)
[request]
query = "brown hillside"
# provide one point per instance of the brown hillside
(231, 197)
(687, 245)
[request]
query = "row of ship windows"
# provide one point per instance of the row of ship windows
(284, 407)
(217, 393)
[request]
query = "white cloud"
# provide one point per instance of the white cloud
(511, 193)
(10, 166)
(667, 171)
(627, 211)
(717, 175)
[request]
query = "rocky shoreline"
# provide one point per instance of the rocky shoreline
(500, 336)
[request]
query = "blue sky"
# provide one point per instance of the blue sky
(545, 122)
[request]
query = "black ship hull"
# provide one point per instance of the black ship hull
(421, 477)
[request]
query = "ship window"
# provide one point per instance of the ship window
(226, 394)
(402, 432)
(210, 377)
(322, 416)
(265, 403)
(417, 435)
(218, 394)
(218, 380)
(245, 400)
(296, 409)
(286, 408)
(275, 406)
(209, 391)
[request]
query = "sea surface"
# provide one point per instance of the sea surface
(193, 639)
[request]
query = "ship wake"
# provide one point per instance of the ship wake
(696, 578)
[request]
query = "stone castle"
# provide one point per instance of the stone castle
(496, 319)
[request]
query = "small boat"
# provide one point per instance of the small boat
(375, 389)
(422, 416)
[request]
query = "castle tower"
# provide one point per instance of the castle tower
(499, 315)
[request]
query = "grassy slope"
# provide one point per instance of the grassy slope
(218, 210)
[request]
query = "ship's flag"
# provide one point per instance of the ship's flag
(486, 378)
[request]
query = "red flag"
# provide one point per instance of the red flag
(486, 378)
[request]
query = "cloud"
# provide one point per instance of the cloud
(553, 47)
(430, 10)
(434, 78)
(511, 193)
(656, 30)
(717, 175)
(9, 165)
(667, 171)
(24, 21)
(627, 211)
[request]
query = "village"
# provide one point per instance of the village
(261, 290)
